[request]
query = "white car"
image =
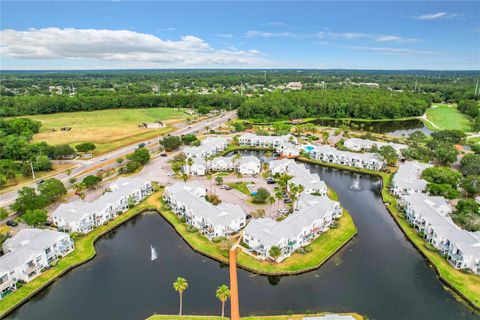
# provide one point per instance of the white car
(171, 173)
(282, 211)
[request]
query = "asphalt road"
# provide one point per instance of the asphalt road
(107, 161)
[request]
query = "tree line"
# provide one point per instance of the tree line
(349, 103)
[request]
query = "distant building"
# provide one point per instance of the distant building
(209, 147)
(294, 86)
(356, 144)
(311, 182)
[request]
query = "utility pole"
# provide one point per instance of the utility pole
(415, 90)
(33, 171)
(476, 89)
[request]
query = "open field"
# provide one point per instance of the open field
(279, 317)
(108, 129)
(447, 117)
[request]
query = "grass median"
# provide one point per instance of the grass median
(356, 316)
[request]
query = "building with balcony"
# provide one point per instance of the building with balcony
(249, 165)
(253, 140)
(356, 144)
(209, 147)
(324, 153)
(29, 253)
(407, 180)
(430, 216)
(82, 216)
(315, 215)
(187, 200)
(311, 182)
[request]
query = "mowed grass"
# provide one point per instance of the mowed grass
(447, 117)
(108, 129)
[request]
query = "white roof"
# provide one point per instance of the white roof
(301, 175)
(122, 187)
(366, 157)
(252, 136)
(368, 144)
(17, 258)
(434, 211)
(244, 160)
(271, 232)
(408, 175)
(33, 238)
(223, 214)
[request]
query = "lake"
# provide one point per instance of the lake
(379, 274)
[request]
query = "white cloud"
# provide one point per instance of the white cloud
(276, 23)
(390, 50)
(268, 34)
(224, 35)
(393, 38)
(434, 16)
(120, 46)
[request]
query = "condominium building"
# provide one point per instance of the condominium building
(407, 180)
(311, 182)
(187, 200)
(315, 216)
(244, 165)
(29, 253)
(253, 140)
(357, 144)
(209, 147)
(430, 216)
(370, 161)
(82, 216)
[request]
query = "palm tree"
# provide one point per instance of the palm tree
(223, 293)
(278, 196)
(300, 189)
(180, 285)
(189, 163)
(270, 201)
(275, 252)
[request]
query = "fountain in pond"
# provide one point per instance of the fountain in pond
(356, 183)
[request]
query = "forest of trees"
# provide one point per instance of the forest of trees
(354, 103)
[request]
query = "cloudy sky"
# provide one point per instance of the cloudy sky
(134, 34)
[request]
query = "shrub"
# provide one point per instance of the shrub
(191, 229)
(183, 219)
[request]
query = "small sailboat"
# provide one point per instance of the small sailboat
(154, 254)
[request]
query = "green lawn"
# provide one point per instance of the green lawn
(447, 117)
(108, 129)
(241, 186)
(280, 317)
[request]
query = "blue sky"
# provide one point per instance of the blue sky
(359, 34)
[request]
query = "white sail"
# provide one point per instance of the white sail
(154, 254)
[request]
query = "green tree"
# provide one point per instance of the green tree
(444, 190)
(222, 294)
(443, 152)
(85, 147)
(471, 185)
(238, 126)
(140, 155)
(35, 217)
(275, 252)
(219, 180)
(417, 136)
(467, 215)
(180, 285)
(91, 181)
(52, 189)
(261, 195)
(470, 165)
(389, 154)
(450, 136)
(442, 175)
(171, 143)
(188, 139)
(42, 163)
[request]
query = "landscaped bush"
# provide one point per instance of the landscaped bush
(183, 219)
(192, 229)
(307, 249)
(217, 239)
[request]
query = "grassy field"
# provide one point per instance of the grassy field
(280, 317)
(240, 186)
(447, 117)
(108, 129)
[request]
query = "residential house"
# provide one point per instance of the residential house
(407, 180)
(222, 164)
(82, 216)
(430, 217)
(187, 200)
(198, 167)
(370, 161)
(299, 229)
(28, 254)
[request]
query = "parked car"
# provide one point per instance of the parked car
(171, 173)
(226, 187)
(163, 155)
(282, 211)
(270, 180)
(48, 223)
(287, 200)
(39, 182)
(11, 223)
(141, 145)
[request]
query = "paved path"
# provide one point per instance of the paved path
(234, 303)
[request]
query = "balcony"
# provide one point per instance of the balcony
(7, 284)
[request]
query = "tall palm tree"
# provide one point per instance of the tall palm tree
(278, 196)
(180, 285)
(270, 201)
(300, 189)
(223, 293)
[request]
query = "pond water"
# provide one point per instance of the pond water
(392, 127)
(378, 274)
